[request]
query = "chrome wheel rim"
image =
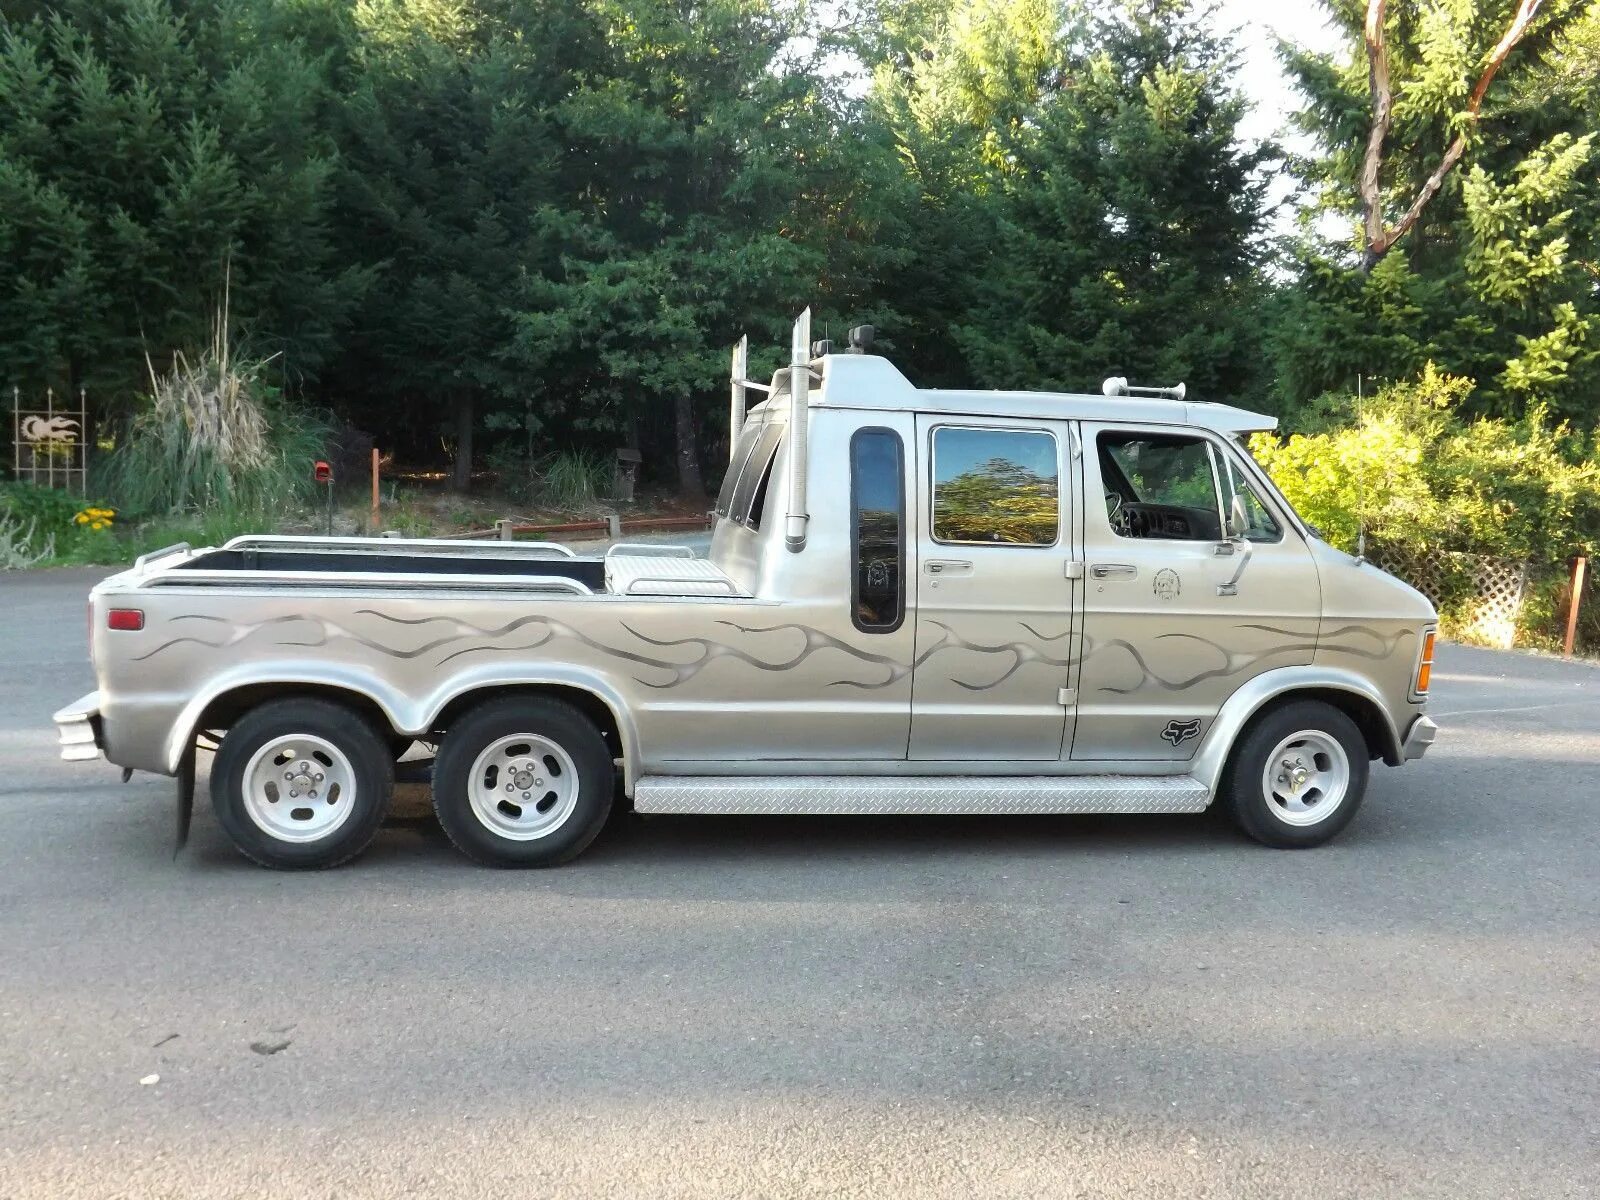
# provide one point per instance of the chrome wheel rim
(1306, 778)
(523, 787)
(299, 788)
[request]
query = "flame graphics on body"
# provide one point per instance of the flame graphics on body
(667, 670)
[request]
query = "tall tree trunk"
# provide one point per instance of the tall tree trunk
(690, 484)
(463, 470)
(1377, 237)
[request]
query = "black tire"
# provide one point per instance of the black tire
(1270, 820)
(579, 813)
(366, 800)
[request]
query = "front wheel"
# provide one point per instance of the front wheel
(1297, 776)
(523, 782)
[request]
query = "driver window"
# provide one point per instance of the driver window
(1161, 486)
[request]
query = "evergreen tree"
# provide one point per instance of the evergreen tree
(694, 136)
(150, 153)
(454, 183)
(1471, 205)
(1131, 213)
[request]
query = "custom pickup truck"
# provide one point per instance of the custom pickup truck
(915, 601)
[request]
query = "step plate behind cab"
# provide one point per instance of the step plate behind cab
(841, 795)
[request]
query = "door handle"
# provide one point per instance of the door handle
(1114, 571)
(947, 566)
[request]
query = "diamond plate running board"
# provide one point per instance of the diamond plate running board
(839, 795)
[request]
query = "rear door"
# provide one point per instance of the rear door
(994, 619)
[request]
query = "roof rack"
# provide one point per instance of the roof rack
(1116, 385)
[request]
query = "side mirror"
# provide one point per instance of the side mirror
(1238, 519)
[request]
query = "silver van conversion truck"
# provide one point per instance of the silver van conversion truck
(915, 601)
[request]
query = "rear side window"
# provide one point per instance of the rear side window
(749, 497)
(995, 487)
(742, 449)
(878, 530)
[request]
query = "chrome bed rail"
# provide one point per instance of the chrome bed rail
(649, 549)
(484, 548)
(367, 581)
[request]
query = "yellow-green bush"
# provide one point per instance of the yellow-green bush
(1406, 467)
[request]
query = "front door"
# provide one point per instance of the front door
(994, 629)
(1176, 615)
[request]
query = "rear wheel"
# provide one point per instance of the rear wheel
(301, 784)
(1298, 775)
(523, 782)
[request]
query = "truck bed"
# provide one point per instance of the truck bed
(274, 561)
(591, 572)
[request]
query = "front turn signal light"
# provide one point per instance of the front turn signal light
(1425, 666)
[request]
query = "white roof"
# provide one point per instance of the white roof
(869, 381)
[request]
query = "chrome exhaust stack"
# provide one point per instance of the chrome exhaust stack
(737, 406)
(794, 524)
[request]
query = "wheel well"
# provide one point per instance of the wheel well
(589, 704)
(1368, 717)
(227, 708)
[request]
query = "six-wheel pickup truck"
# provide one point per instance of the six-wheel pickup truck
(915, 601)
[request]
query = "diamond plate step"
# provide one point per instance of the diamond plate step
(841, 795)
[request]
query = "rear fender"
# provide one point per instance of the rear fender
(408, 715)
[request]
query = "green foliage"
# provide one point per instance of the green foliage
(1411, 468)
(567, 481)
(145, 145)
(214, 437)
(1497, 280)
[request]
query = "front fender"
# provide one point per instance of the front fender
(1271, 685)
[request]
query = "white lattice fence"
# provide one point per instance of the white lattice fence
(1480, 596)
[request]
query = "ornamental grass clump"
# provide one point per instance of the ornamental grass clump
(213, 436)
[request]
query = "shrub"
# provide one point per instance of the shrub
(1410, 471)
(571, 480)
(214, 436)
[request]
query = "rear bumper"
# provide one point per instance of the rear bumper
(78, 725)
(1419, 737)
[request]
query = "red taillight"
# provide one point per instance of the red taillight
(131, 619)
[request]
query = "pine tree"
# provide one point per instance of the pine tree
(1472, 206)
(151, 153)
(1130, 217)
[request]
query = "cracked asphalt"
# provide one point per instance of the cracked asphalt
(1002, 1007)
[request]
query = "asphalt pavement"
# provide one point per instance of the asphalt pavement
(714, 1007)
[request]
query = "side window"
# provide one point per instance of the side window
(742, 450)
(1160, 485)
(1261, 525)
(749, 496)
(878, 530)
(995, 487)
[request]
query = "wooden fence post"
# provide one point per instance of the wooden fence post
(1578, 566)
(373, 521)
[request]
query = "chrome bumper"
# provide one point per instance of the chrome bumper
(79, 726)
(1419, 737)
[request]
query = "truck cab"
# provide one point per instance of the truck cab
(915, 601)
